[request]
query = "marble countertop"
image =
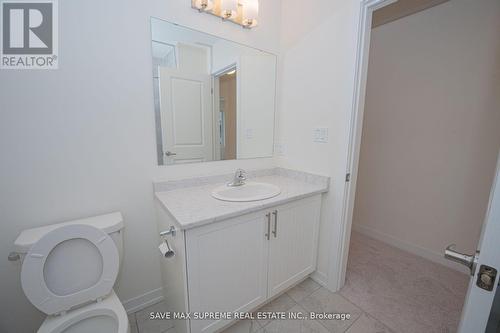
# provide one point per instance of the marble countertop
(191, 204)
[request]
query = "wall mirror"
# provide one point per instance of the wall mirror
(214, 99)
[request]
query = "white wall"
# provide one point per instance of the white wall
(80, 140)
(256, 105)
(431, 127)
(316, 90)
(256, 102)
(225, 54)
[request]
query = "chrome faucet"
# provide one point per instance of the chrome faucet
(239, 178)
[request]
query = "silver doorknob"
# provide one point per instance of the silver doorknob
(469, 261)
(169, 153)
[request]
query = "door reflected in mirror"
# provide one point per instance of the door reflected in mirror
(214, 99)
(225, 93)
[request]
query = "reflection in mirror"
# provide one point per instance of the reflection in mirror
(214, 99)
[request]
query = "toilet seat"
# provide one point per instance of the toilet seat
(33, 278)
(110, 306)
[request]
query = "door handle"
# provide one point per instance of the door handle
(169, 153)
(467, 260)
(268, 234)
(275, 231)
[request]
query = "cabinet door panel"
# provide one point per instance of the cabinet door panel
(227, 268)
(293, 250)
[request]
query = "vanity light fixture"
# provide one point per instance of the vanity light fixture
(242, 12)
(229, 8)
(250, 12)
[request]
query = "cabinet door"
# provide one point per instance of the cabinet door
(294, 243)
(227, 268)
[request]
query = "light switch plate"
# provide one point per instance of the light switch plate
(279, 149)
(320, 135)
(249, 133)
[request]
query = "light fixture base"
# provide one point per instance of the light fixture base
(212, 7)
(249, 23)
(202, 5)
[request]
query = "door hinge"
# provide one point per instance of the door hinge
(347, 177)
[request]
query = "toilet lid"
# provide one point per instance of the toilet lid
(69, 266)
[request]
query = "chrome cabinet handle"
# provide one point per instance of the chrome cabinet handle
(275, 231)
(268, 234)
(169, 153)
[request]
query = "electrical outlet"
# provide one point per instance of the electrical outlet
(320, 135)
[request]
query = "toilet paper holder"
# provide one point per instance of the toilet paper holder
(171, 231)
(165, 247)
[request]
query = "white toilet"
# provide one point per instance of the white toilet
(68, 272)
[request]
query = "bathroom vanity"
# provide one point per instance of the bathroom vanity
(235, 256)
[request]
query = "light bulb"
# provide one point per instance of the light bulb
(250, 11)
(229, 8)
(204, 5)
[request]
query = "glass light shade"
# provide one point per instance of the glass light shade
(229, 5)
(250, 9)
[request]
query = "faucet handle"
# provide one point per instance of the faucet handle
(241, 174)
(239, 178)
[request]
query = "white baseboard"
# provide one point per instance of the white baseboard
(143, 301)
(155, 296)
(414, 249)
(320, 278)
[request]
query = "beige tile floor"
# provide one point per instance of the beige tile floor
(387, 291)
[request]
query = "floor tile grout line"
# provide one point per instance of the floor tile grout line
(270, 321)
(364, 311)
(345, 298)
(347, 328)
(318, 321)
(260, 326)
(390, 329)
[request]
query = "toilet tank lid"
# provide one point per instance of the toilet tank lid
(108, 223)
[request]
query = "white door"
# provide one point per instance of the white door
(484, 281)
(293, 243)
(226, 268)
(186, 115)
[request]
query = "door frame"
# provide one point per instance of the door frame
(216, 103)
(367, 7)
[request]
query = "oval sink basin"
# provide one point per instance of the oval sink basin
(251, 191)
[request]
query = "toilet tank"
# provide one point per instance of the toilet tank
(112, 224)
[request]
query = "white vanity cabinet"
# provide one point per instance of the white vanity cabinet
(237, 264)
(227, 267)
(293, 243)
